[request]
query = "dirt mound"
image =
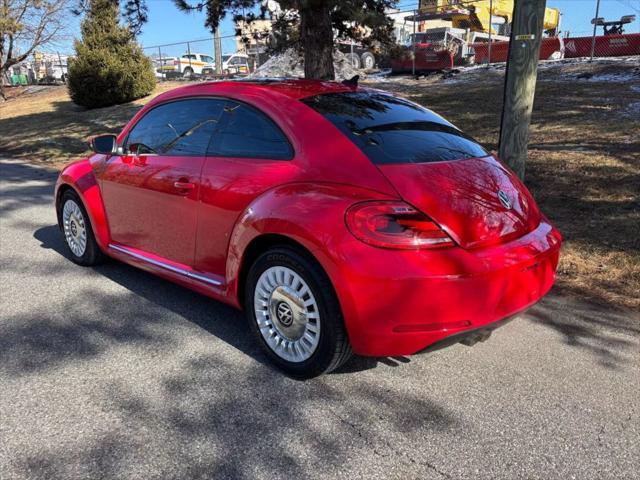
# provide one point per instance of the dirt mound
(291, 64)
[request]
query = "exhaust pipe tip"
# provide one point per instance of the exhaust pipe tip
(475, 337)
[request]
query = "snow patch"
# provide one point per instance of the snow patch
(290, 64)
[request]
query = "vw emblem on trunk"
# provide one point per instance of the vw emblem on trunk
(504, 200)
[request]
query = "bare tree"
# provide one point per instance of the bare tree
(26, 25)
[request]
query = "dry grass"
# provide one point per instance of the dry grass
(584, 157)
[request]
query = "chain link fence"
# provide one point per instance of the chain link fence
(195, 59)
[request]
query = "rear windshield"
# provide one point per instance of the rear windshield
(392, 130)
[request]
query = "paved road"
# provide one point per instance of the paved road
(112, 373)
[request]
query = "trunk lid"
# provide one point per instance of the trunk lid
(464, 198)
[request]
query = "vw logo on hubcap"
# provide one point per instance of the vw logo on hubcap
(284, 314)
(504, 200)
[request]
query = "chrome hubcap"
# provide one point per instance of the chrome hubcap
(75, 231)
(287, 314)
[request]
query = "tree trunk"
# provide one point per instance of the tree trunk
(520, 82)
(316, 36)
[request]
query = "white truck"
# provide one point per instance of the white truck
(192, 64)
(235, 63)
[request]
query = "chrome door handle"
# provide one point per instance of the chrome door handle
(184, 185)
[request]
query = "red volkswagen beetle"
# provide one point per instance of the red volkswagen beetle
(340, 219)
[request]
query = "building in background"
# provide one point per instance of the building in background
(252, 39)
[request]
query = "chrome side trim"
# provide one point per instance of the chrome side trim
(204, 279)
(171, 268)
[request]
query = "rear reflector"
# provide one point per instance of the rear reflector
(430, 327)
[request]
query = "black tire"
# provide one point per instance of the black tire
(368, 60)
(188, 73)
(333, 348)
(92, 254)
(354, 60)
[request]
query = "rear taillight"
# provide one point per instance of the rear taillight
(395, 225)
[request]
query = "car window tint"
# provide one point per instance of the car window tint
(246, 132)
(393, 130)
(178, 128)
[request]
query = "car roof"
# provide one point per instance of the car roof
(292, 88)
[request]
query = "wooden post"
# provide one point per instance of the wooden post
(413, 61)
(490, 30)
(520, 82)
(217, 50)
(595, 25)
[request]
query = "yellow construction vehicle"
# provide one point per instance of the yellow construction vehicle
(482, 15)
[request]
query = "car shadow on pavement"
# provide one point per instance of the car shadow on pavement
(215, 317)
(213, 419)
(15, 195)
(605, 333)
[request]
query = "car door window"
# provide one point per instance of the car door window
(246, 132)
(177, 128)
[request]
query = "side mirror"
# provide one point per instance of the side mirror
(105, 144)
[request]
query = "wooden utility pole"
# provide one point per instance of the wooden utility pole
(595, 25)
(520, 82)
(217, 50)
(490, 30)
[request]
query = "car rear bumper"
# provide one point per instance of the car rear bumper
(417, 298)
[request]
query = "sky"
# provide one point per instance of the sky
(168, 25)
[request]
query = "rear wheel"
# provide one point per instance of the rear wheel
(188, 72)
(368, 60)
(78, 234)
(294, 313)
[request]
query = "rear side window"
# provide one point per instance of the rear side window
(178, 128)
(246, 132)
(392, 130)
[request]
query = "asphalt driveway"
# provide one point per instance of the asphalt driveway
(110, 372)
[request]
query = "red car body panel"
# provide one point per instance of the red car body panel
(140, 195)
(394, 302)
(81, 177)
(460, 197)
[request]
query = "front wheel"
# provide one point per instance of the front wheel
(294, 313)
(354, 60)
(77, 230)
